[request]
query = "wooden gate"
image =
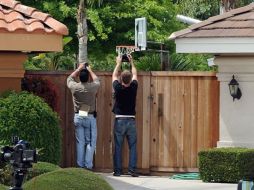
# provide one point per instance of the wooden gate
(184, 119)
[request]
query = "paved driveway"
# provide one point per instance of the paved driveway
(161, 183)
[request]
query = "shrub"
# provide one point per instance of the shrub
(41, 168)
(69, 178)
(2, 187)
(6, 175)
(226, 164)
(42, 88)
(149, 63)
(190, 62)
(30, 118)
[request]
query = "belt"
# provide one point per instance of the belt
(88, 112)
(125, 118)
(132, 116)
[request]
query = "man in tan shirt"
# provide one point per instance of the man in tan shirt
(84, 97)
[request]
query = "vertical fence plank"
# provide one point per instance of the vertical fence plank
(187, 123)
(143, 119)
(193, 121)
(154, 122)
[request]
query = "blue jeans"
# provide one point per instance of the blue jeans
(86, 136)
(125, 127)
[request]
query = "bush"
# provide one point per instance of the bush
(226, 164)
(2, 187)
(30, 118)
(41, 168)
(42, 88)
(190, 62)
(69, 178)
(6, 175)
(150, 62)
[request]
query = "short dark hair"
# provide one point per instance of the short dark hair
(84, 75)
(126, 77)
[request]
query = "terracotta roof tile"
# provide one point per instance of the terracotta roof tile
(40, 16)
(11, 16)
(16, 25)
(58, 27)
(15, 17)
(235, 23)
(9, 3)
(24, 9)
(35, 26)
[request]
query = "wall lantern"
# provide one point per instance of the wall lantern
(234, 89)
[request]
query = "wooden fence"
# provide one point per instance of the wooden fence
(177, 116)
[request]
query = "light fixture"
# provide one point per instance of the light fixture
(210, 62)
(234, 89)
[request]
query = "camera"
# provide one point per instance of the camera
(125, 58)
(21, 157)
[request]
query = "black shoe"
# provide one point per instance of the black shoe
(89, 169)
(133, 174)
(117, 174)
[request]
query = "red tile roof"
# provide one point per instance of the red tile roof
(18, 18)
(235, 23)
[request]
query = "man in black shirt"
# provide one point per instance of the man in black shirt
(125, 91)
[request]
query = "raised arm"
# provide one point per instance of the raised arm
(75, 73)
(115, 74)
(93, 75)
(133, 69)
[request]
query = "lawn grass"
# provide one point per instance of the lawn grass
(41, 168)
(68, 179)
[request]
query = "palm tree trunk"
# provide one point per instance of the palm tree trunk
(226, 5)
(82, 32)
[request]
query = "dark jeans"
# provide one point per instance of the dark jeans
(125, 127)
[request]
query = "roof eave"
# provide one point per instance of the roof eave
(179, 33)
(31, 42)
(234, 45)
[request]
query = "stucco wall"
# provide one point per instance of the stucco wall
(236, 117)
(11, 70)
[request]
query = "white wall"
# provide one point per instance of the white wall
(236, 117)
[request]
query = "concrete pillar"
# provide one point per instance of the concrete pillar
(11, 70)
(236, 117)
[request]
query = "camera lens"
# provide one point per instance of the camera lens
(7, 156)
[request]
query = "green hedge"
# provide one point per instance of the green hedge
(30, 118)
(69, 178)
(226, 164)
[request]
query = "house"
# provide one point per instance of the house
(230, 38)
(24, 30)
